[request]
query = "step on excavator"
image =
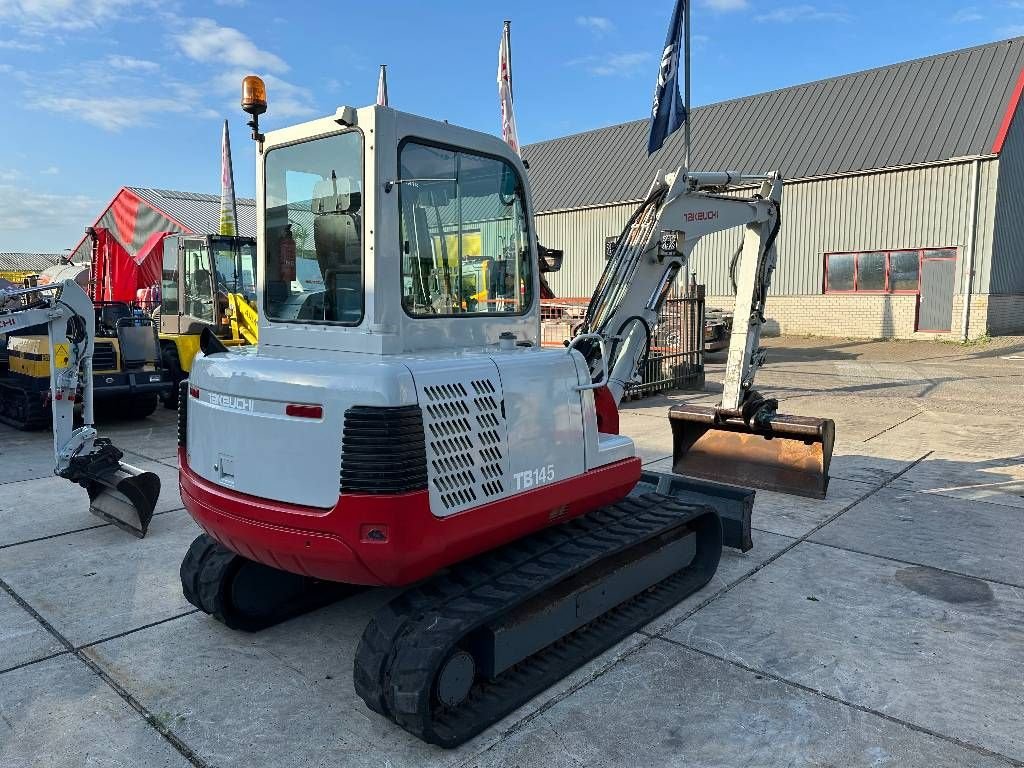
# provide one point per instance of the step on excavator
(118, 492)
(390, 431)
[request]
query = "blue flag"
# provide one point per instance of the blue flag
(668, 112)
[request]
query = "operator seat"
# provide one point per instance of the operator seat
(338, 246)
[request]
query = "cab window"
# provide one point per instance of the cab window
(463, 234)
(313, 231)
(198, 288)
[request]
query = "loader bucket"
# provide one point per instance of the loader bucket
(125, 497)
(790, 455)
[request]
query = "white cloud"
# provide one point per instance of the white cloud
(284, 99)
(599, 25)
(966, 15)
(791, 13)
(621, 64)
(30, 209)
(727, 5)
(131, 64)
(63, 15)
(208, 42)
(18, 45)
(1013, 30)
(53, 170)
(112, 113)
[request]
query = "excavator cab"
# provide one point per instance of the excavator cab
(207, 281)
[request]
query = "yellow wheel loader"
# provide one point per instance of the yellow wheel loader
(207, 282)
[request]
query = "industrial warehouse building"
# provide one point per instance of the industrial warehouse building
(16, 266)
(130, 230)
(903, 212)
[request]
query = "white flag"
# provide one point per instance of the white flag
(508, 117)
(382, 86)
(228, 212)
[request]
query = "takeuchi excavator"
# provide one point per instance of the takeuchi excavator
(387, 432)
(118, 492)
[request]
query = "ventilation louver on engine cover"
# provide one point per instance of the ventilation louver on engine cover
(465, 440)
(382, 450)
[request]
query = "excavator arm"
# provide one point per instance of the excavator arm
(743, 440)
(119, 493)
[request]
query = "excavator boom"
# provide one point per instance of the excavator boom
(118, 493)
(742, 441)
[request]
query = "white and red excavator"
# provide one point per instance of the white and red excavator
(399, 423)
(118, 492)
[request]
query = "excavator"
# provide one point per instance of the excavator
(386, 432)
(119, 493)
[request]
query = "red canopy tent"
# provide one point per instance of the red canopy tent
(125, 244)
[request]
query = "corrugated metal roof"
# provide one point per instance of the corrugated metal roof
(200, 213)
(928, 110)
(28, 262)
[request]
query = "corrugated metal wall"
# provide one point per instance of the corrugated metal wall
(1008, 247)
(912, 208)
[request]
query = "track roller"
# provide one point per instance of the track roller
(247, 595)
(449, 657)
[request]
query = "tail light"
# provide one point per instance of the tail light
(304, 411)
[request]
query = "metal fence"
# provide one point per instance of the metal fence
(676, 359)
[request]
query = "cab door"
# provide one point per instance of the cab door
(170, 288)
(196, 304)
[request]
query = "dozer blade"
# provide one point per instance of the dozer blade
(791, 455)
(125, 497)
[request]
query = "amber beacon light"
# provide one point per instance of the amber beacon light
(254, 102)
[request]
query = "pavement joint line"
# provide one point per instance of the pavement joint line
(897, 424)
(853, 705)
(796, 542)
(77, 530)
(26, 479)
(168, 735)
(913, 562)
(649, 638)
(33, 661)
(132, 631)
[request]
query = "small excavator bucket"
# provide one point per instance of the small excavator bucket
(125, 497)
(790, 455)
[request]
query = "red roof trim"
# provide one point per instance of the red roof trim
(127, 191)
(1011, 110)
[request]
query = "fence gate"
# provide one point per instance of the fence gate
(676, 360)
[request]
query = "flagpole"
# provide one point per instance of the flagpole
(686, 75)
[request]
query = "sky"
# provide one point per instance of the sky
(100, 94)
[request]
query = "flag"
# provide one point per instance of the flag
(668, 112)
(382, 86)
(228, 212)
(508, 117)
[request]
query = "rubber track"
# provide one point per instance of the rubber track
(38, 413)
(409, 639)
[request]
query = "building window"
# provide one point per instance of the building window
(879, 271)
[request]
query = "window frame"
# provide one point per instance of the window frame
(887, 291)
(261, 241)
(527, 224)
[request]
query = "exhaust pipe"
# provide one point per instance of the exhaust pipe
(119, 493)
(788, 454)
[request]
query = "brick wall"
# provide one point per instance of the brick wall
(880, 316)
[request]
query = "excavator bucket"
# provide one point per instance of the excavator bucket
(118, 492)
(125, 497)
(790, 455)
